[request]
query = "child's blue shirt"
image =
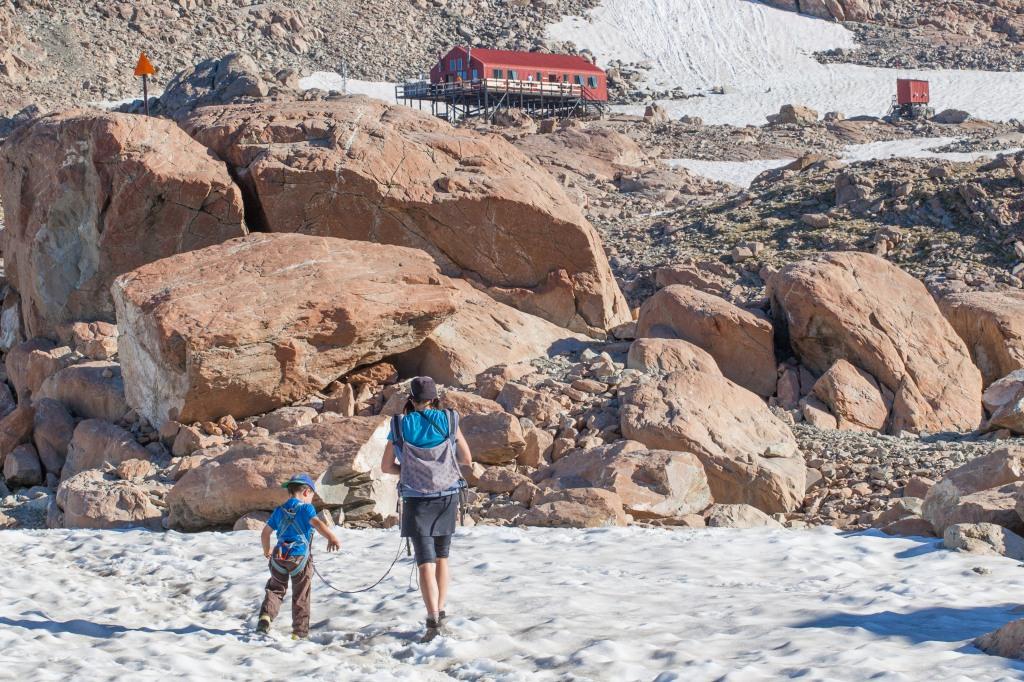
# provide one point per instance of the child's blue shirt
(301, 530)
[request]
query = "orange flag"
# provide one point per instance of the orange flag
(144, 67)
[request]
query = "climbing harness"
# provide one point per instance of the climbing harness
(286, 548)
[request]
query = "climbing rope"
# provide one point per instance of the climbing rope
(398, 555)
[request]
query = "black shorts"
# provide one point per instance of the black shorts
(429, 523)
(429, 517)
(429, 550)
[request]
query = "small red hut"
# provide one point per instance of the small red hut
(911, 100)
(521, 69)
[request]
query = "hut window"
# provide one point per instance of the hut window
(498, 73)
(592, 81)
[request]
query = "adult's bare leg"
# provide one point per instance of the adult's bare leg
(428, 588)
(442, 577)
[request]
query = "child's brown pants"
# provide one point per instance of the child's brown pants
(277, 586)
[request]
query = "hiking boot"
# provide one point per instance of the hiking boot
(296, 636)
(433, 630)
(441, 617)
(263, 627)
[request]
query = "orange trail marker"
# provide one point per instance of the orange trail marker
(145, 69)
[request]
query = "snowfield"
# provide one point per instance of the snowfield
(329, 80)
(743, 173)
(527, 604)
(763, 58)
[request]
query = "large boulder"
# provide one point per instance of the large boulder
(16, 428)
(1007, 641)
(661, 356)
(225, 80)
(93, 500)
(342, 456)
(358, 168)
(794, 114)
(591, 151)
(96, 443)
(22, 467)
(984, 538)
(92, 390)
(481, 334)
(981, 490)
(994, 505)
(53, 428)
(997, 468)
(853, 396)
(749, 454)
(88, 196)
(16, 364)
(576, 508)
(652, 484)
(1004, 401)
(493, 437)
(739, 341)
(863, 309)
(256, 323)
(739, 516)
(991, 323)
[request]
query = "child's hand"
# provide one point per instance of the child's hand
(333, 545)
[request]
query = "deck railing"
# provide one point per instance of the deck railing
(512, 87)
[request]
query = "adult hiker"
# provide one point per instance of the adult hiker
(426, 448)
(292, 556)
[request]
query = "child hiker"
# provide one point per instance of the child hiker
(292, 556)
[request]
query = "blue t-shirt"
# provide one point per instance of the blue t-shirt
(301, 529)
(424, 430)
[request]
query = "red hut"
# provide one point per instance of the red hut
(911, 100)
(462, 64)
(910, 91)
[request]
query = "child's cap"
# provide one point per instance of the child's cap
(300, 478)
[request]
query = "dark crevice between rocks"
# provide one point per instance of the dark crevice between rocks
(252, 208)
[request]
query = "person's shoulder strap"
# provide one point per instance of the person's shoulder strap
(453, 424)
(397, 438)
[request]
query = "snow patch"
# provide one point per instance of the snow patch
(329, 80)
(764, 59)
(743, 173)
(526, 604)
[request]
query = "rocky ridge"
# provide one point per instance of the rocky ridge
(962, 34)
(59, 54)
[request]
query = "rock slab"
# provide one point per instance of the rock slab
(357, 168)
(749, 454)
(259, 322)
(863, 309)
(89, 196)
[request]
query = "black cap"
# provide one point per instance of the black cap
(423, 389)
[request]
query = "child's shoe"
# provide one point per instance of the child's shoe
(263, 627)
